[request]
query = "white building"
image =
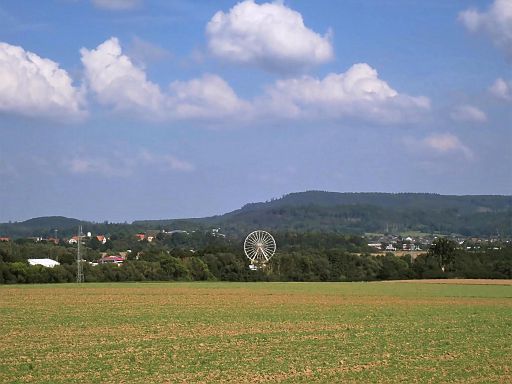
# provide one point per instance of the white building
(44, 262)
(375, 245)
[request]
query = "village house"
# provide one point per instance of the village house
(140, 236)
(391, 247)
(375, 245)
(102, 239)
(111, 260)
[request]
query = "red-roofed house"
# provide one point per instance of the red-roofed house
(102, 239)
(111, 260)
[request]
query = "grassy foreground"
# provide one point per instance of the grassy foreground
(256, 332)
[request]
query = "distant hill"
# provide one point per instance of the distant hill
(467, 204)
(65, 226)
(318, 211)
(40, 226)
(482, 215)
(49, 222)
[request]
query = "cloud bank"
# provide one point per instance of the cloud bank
(357, 93)
(113, 80)
(269, 35)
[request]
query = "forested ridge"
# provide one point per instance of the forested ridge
(483, 215)
(357, 213)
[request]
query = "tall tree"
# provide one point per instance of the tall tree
(443, 251)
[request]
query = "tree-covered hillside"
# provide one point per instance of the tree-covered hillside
(50, 226)
(366, 212)
(421, 201)
(317, 211)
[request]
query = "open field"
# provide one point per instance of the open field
(458, 281)
(256, 332)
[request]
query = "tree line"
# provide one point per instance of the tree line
(202, 256)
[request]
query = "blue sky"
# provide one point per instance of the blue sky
(137, 109)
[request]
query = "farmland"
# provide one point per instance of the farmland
(256, 332)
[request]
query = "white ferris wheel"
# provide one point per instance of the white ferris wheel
(259, 247)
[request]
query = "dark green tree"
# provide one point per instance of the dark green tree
(443, 250)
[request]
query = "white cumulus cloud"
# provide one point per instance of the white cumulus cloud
(117, 5)
(440, 146)
(496, 22)
(501, 89)
(268, 35)
(468, 114)
(446, 143)
(34, 86)
(356, 93)
(117, 82)
(205, 97)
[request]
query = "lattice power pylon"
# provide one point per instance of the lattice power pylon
(79, 261)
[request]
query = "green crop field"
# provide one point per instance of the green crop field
(256, 332)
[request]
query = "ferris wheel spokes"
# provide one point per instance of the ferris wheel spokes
(259, 247)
